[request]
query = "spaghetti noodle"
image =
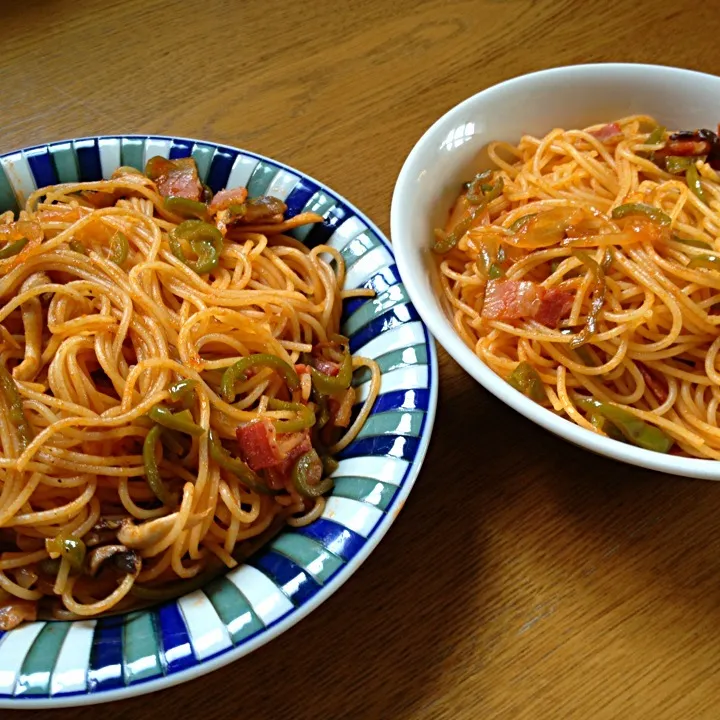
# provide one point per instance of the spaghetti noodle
(583, 269)
(172, 387)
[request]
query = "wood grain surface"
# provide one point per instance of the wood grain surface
(525, 578)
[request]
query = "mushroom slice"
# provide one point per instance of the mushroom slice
(151, 531)
(125, 560)
(103, 532)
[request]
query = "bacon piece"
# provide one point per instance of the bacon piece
(510, 300)
(554, 306)
(657, 388)
(261, 447)
(225, 198)
(258, 444)
(611, 131)
(327, 367)
(179, 178)
(15, 611)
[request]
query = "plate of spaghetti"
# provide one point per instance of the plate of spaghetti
(580, 265)
(216, 397)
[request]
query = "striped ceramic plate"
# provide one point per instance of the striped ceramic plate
(45, 664)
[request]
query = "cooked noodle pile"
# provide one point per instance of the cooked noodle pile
(583, 270)
(173, 388)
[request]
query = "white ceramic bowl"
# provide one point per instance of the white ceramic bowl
(449, 153)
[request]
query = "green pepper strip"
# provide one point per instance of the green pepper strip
(13, 248)
(525, 379)
(69, 547)
(692, 177)
(495, 191)
(637, 431)
(305, 418)
(171, 440)
(656, 136)
(181, 421)
(598, 295)
(446, 243)
(329, 385)
(120, 247)
(48, 566)
(186, 208)
(152, 473)
(604, 425)
(339, 339)
(14, 401)
(205, 240)
(155, 167)
(492, 268)
(183, 392)
(300, 476)
(475, 194)
(237, 467)
(330, 464)
(323, 417)
(693, 243)
(236, 373)
(180, 390)
(585, 357)
(495, 271)
(521, 222)
(711, 262)
(676, 165)
(655, 214)
(77, 247)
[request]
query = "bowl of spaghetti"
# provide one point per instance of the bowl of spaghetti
(559, 235)
(215, 398)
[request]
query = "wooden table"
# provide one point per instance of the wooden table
(525, 578)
